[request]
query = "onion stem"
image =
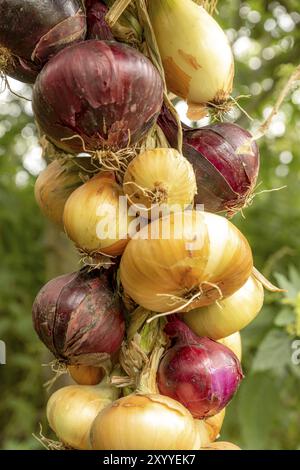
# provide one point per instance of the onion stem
(116, 11)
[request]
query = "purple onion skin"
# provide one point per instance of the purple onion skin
(79, 314)
(34, 30)
(225, 178)
(107, 93)
(97, 28)
(200, 373)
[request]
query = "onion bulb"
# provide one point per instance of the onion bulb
(223, 318)
(94, 219)
(234, 343)
(200, 373)
(160, 176)
(71, 411)
(86, 375)
(96, 95)
(79, 318)
(221, 445)
(144, 422)
(32, 31)
(55, 184)
(185, 260)
(210, 428)
(195, 52)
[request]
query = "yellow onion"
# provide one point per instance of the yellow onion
(53, 187)
(144, 422)
(93, 218)
(86, 375)
(221, 445)
(233, 342)
(203, 258)
(223, 318)
(195, 52)
(160, 176)
(71, 411)
(209, 429)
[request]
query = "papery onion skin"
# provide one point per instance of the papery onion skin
(71, 411)
(234, 343)
(210, 428)
(97, 27)
(200, 373)
(195, 51)
(55, 184)
(79, 318)
(230, 315)
(225, 178)
(144, 422)
(209, 254)
(86, 375)
(221, 445)
(82, 217)
(160, 176)
(90, 93)
(34, 30)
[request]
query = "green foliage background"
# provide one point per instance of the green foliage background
(265, 414)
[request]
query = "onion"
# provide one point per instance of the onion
(33, 31)
(86, 375)
(210, 428)
(195, 52)
(97, 27)
(71, 411)
(144, 422)
(160, 176)
(97, 94)
(204, 258)
(221, 445)
(200, 373)
(229, 315)
(55, 184)
(94, 218)
(225, 177)
(234, 343)
(79, 318)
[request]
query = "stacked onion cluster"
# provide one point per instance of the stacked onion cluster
(152, 341)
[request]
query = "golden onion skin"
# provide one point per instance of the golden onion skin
(86, 375)
(145, 422)
(234, 343)
(71, 411)
(210, 428)
(160, 176)
(230, 315)
(205, 253)
(221, 445)
(81, 219)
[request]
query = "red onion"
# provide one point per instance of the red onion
(78, 317)
(97, 28)
(225, 178)
(97, 92)
(200, 373)
(31, 31)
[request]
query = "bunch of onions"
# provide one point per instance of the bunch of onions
(33, 31)
(71, 411)
(200, 373)
(209, 429)
(225, 176)
(88, 97)
(94, 218)
(230, 315)
(234, 343)
(160, 176)
(79, 318)
(86, 375)
(185, 260)
(195, 52)
(221, 445)
(144, 422)
(56, 183)
(97, 27)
